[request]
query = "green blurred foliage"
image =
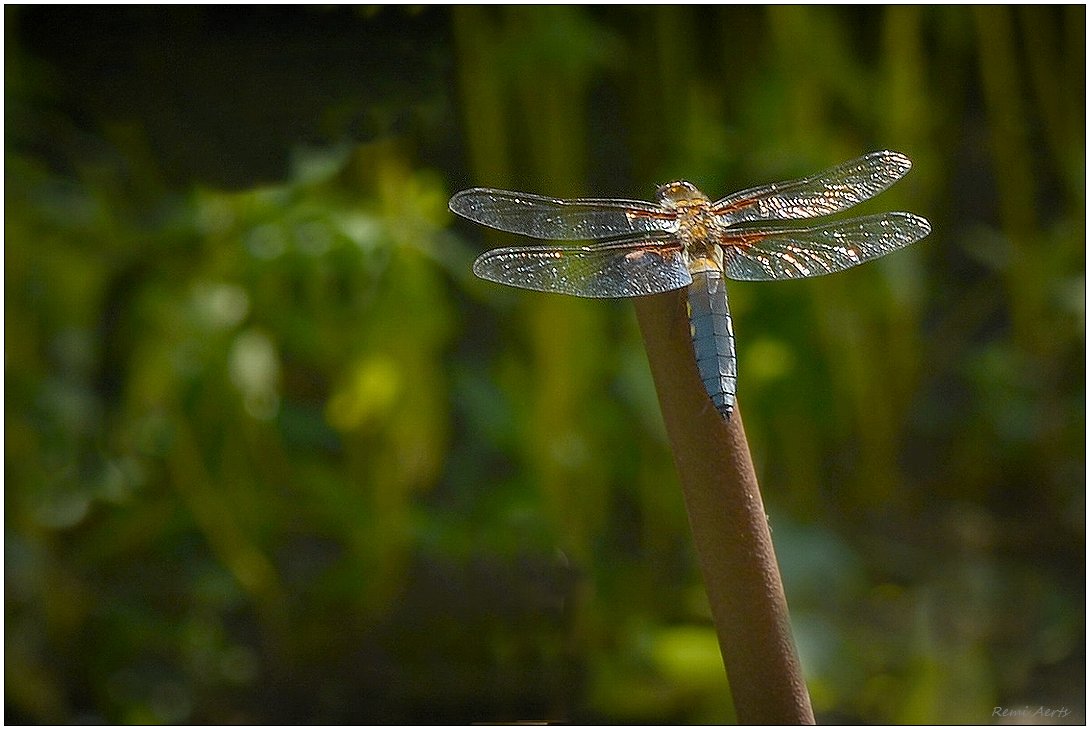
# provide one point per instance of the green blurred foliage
(273, 455)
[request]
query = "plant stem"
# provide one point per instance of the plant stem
(730, 528)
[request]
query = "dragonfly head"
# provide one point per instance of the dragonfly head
(679, 193)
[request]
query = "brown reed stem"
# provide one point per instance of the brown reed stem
(730, 528)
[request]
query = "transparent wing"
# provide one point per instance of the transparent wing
(827, 192)
(564, 220)
(762, 254)
(618, 269)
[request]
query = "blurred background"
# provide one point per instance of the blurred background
(274, 455)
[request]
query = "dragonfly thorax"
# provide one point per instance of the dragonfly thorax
(679, 194)
(697, 227)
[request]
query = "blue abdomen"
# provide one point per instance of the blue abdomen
(713, 338)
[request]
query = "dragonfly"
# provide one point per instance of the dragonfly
(630, 248)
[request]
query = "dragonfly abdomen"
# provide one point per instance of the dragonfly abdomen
(713, 338)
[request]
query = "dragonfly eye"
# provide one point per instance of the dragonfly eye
(675, 193)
